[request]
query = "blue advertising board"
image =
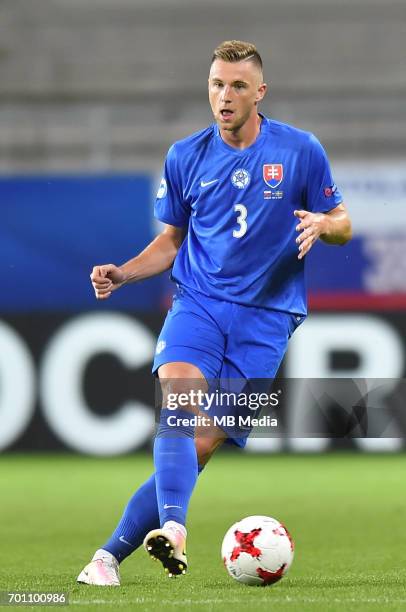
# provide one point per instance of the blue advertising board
(54, 229)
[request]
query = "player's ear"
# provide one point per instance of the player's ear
(261, 92)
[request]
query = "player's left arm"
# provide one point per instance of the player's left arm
(333, 227)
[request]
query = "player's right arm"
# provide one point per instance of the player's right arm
(157, 257)
(170, 208)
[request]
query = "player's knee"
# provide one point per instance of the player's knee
(181, 382)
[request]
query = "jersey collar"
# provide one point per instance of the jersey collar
(253, 146)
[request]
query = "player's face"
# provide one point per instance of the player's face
(235, 88)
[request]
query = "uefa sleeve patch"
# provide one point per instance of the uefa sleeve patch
(329, 191)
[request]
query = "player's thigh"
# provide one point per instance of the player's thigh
(179, 369)
(190, 336)
(258, 343)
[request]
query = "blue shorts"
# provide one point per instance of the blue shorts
(224, 340)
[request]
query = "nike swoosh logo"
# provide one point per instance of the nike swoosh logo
(167, 506)
(122, 539)
(206, 184)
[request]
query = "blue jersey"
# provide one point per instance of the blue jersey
(238, 207)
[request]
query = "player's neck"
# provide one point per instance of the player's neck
(246, 135)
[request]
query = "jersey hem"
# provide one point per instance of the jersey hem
(250, 305)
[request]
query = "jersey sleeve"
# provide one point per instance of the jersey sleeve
(170, 206)
(321, 193)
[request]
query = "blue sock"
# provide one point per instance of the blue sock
(176, 467)
(140, 516)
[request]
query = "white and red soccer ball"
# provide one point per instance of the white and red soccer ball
(258, 550)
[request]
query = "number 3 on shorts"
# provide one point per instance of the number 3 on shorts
(241, 220)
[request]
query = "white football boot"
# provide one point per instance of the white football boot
(103, 570)
(168, 545)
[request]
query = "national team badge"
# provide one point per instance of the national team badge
(273, 175)
(240, 178)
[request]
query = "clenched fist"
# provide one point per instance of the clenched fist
(106, 279)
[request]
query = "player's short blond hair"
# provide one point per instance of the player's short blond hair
(237, 51)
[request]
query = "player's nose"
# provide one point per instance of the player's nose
(226, 94)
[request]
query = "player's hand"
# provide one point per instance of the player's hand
(311, 226)
(106, 279)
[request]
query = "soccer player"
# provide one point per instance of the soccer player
(242, 201)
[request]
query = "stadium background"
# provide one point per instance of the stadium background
(92, 93)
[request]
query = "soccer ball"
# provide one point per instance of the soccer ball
(257, 551)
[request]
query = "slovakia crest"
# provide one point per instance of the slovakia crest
(273, 174)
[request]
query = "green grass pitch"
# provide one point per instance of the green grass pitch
(346, 513)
